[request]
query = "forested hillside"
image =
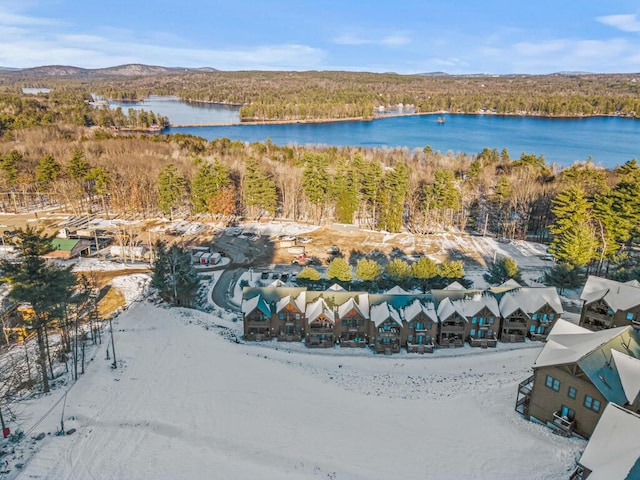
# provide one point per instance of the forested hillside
(299, 96)
(593, 213)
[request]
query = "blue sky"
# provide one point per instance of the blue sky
(403, 36)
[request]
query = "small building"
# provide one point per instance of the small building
(579, 372)
(352, 321)
(613, 451)
(454, 327)
(529, 312)
(609, 304)
(320, 324)
(66, 248)
(127, 251)
(386, 328)
(289, 323)
(256, 316)
(420, 326)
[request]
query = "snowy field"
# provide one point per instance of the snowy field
(187, 403)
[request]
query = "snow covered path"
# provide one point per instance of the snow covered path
(187, 404)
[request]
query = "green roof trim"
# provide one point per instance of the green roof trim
(64, 244)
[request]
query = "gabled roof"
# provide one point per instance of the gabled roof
(446, 308)
(470, 306)
(349, 305)
(629, 371)
(397, 290)
(530, 300)
(633, 283)
(619, 296)
(317, 308)
(613, 452)
(454, 286)
(608, 358)
(249, 305)
(412, 310)
(568, 343)
(298, 303)
(336, 288)
(505, 287)
(382, 312)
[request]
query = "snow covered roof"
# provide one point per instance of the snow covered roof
(397, 290)
(629, 371)
(455, 286)
(469, 306)
(446, 308)
(510, 283)
(412, 310)
(277, 283)
(619, 296)
(609, 358)
(614, 448)
(633, 283)
(336, 288)
(298, 302)
(568, 343)
(349, 305)
(249, 305)
(383, 312)
(530, 300)
(317, 308)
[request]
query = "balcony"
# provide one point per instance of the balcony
(420, 347)
(524, 396)
(483, 342)
(451, 342)
(512, 337)
(565, 425)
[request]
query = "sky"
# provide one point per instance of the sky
(406, 37)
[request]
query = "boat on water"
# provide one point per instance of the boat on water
(441, 120)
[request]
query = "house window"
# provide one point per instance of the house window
(410, 325)
(472, 333)
(572, 392)
(474, 320)
(551, 316)
(553, 383)
(281, 316)
(491, 320)
(343, 323)
(630, 316)
(591, 403)
(609, 311)
(297, 316)
(419, 326)
(481, 320)
(534, 316)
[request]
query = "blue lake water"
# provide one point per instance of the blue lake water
(609, 141)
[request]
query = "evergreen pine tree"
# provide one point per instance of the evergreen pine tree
(574, 241)
(503, 269)
(45, 286)
(339, 269)
(171, 189)
(174, 275)
(368, 270)
(208, 181)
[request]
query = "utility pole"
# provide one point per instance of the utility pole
(113, 346)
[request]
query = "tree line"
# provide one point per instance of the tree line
(420, 191)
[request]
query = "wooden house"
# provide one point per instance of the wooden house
(320, 324)
(288, 322)
(608, 304)
(352, 321)
(256, 315)
(385, 328)
(529, 312)
(579, 372)
(420, 326)
(66, 248)
(454, 327)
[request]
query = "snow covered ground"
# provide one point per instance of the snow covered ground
(185, 402)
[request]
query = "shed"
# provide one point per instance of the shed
(66, 248)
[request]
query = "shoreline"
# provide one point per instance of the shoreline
(393, 115)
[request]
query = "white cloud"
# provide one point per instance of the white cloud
(626, 23)
(393, 40)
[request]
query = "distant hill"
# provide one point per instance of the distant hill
(130, 70)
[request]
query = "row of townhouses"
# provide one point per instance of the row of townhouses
(398, 319)
(586, 381)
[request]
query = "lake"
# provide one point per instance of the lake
(609, 141)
